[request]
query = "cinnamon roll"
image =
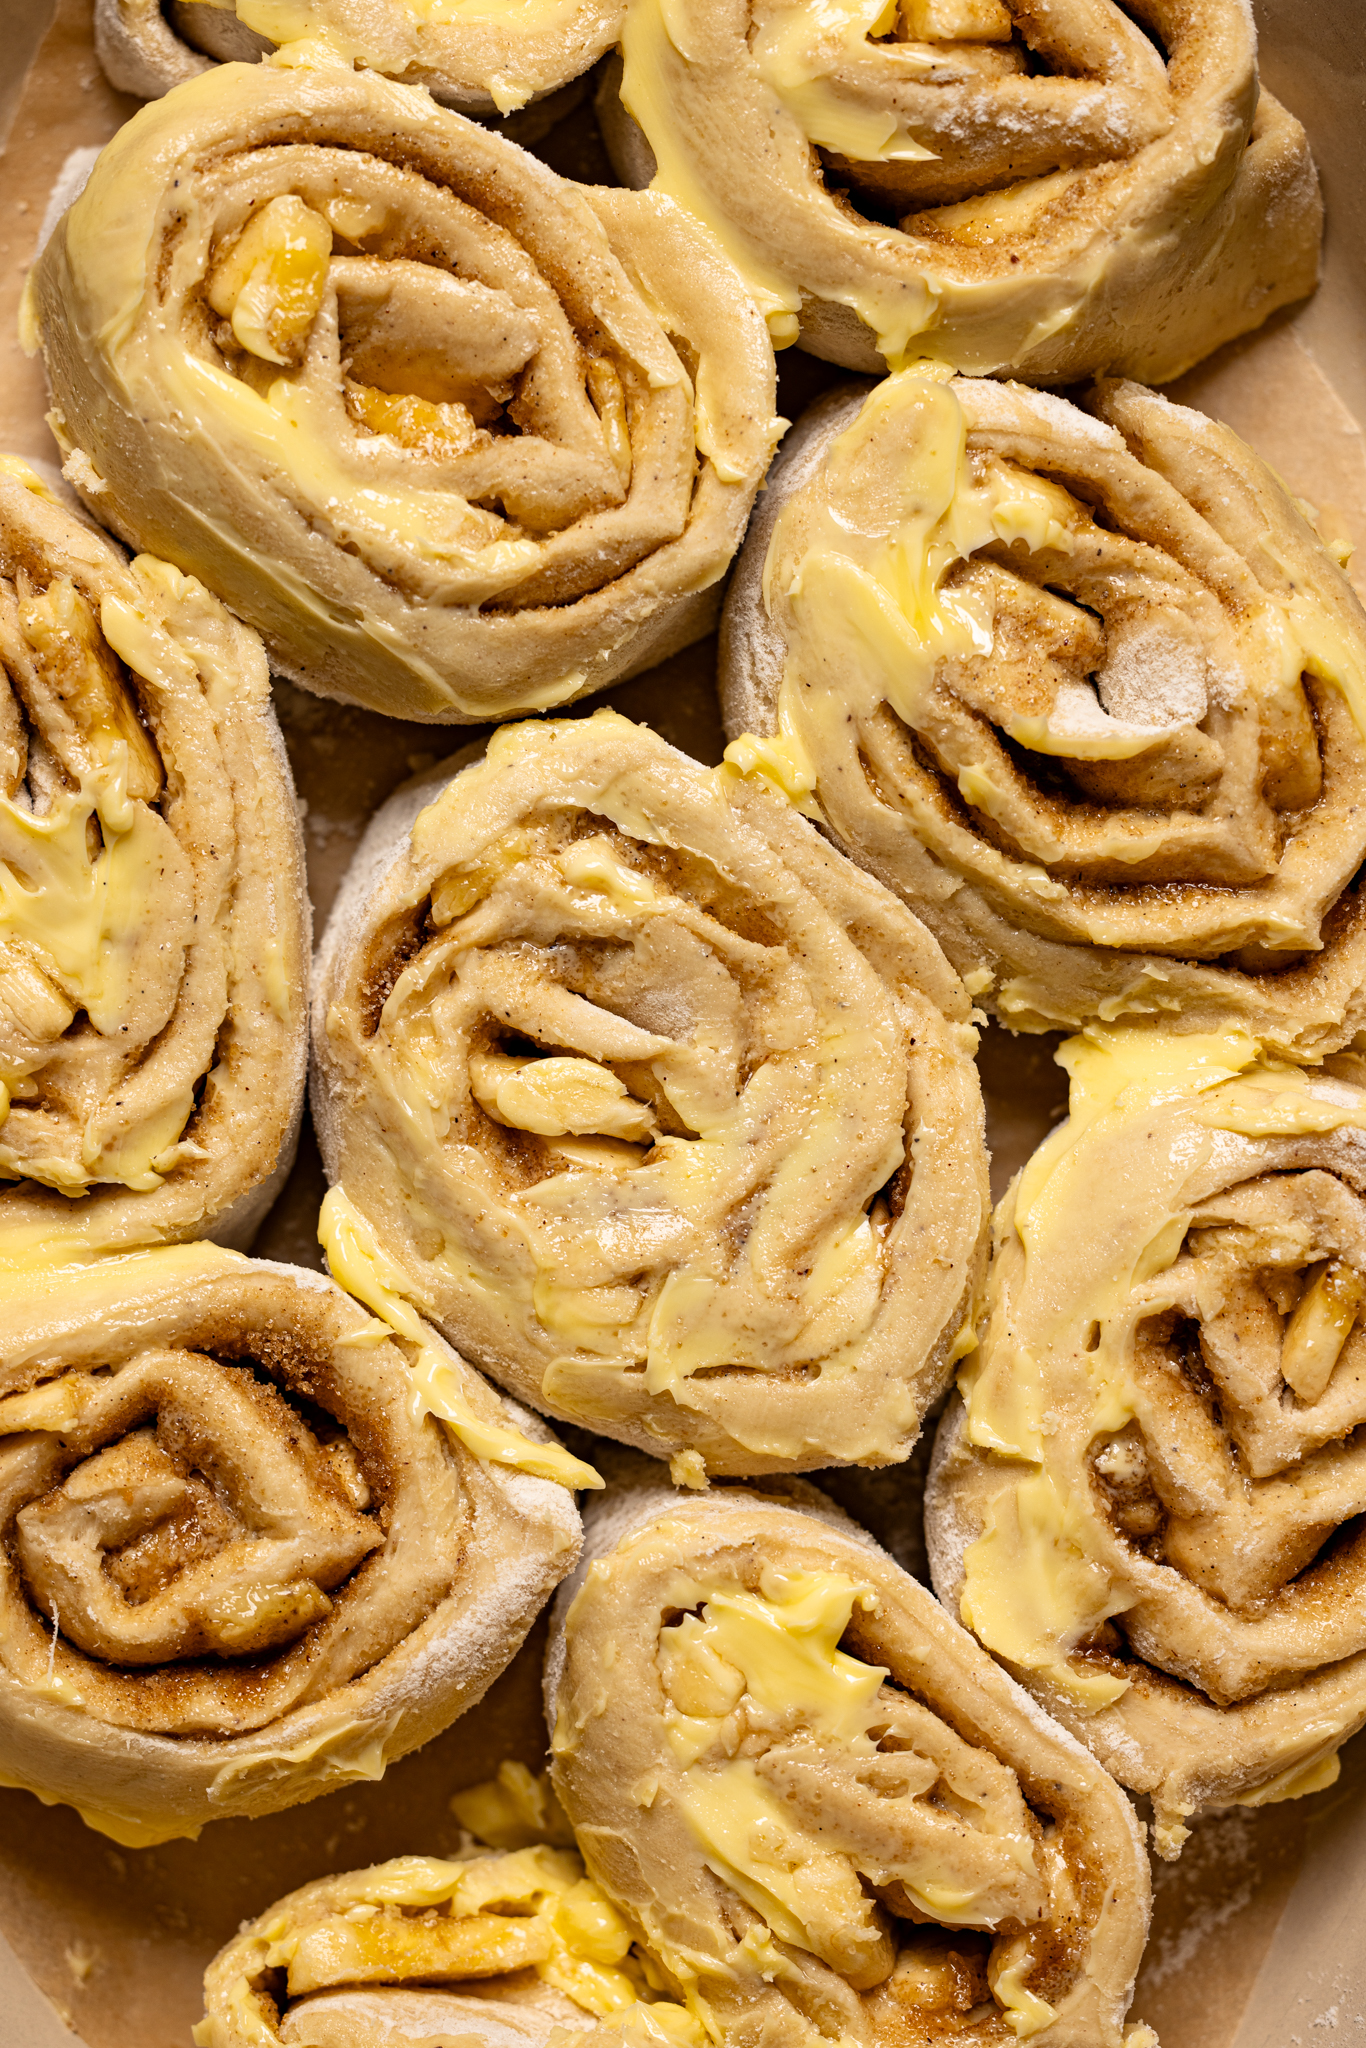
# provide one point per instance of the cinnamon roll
(457, 436)
(1148, 1503)
(816, 1800)
(154, 926)
(500, 1951)
(480, 56)
(662, 1111)
(241, 1565)
(1053, 187)
(1084, 686)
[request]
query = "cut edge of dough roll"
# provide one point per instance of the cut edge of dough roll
(1136, 1496)
(1179, 209)
(508, 1944)
(481, 63)
(200, 859)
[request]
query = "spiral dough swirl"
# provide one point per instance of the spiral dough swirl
(666, 1112)
(239, 1568)
(1149, 1503)
(457, 436)
(1085, 687)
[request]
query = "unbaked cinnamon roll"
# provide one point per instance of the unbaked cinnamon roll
(1084, 686)
(658, 1107)
(817, 1801)
(154, 927)
(1053, 187)
(241, 1564)
(479, 56)
(1149, 1502)
(459, 437)
(510, 1950)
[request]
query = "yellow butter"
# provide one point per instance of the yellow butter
(513, 1810)
(82, 914)
(24, 473)
(1273, 1104)
(1026, 2013)
(592, 864)
(270, 283)
(734, 1818)
(1320, 1326)
(461, 888)
(557, 1096)
(785, 1643)
(1032, 1594)
(290, 430)
(60, 627)
(1297, 1781)
(128, 1832)
(342, 1752)
(645, 39)
(782, 760)
(797, 66)
(358, 1264)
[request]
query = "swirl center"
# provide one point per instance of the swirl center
(192, 1514)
